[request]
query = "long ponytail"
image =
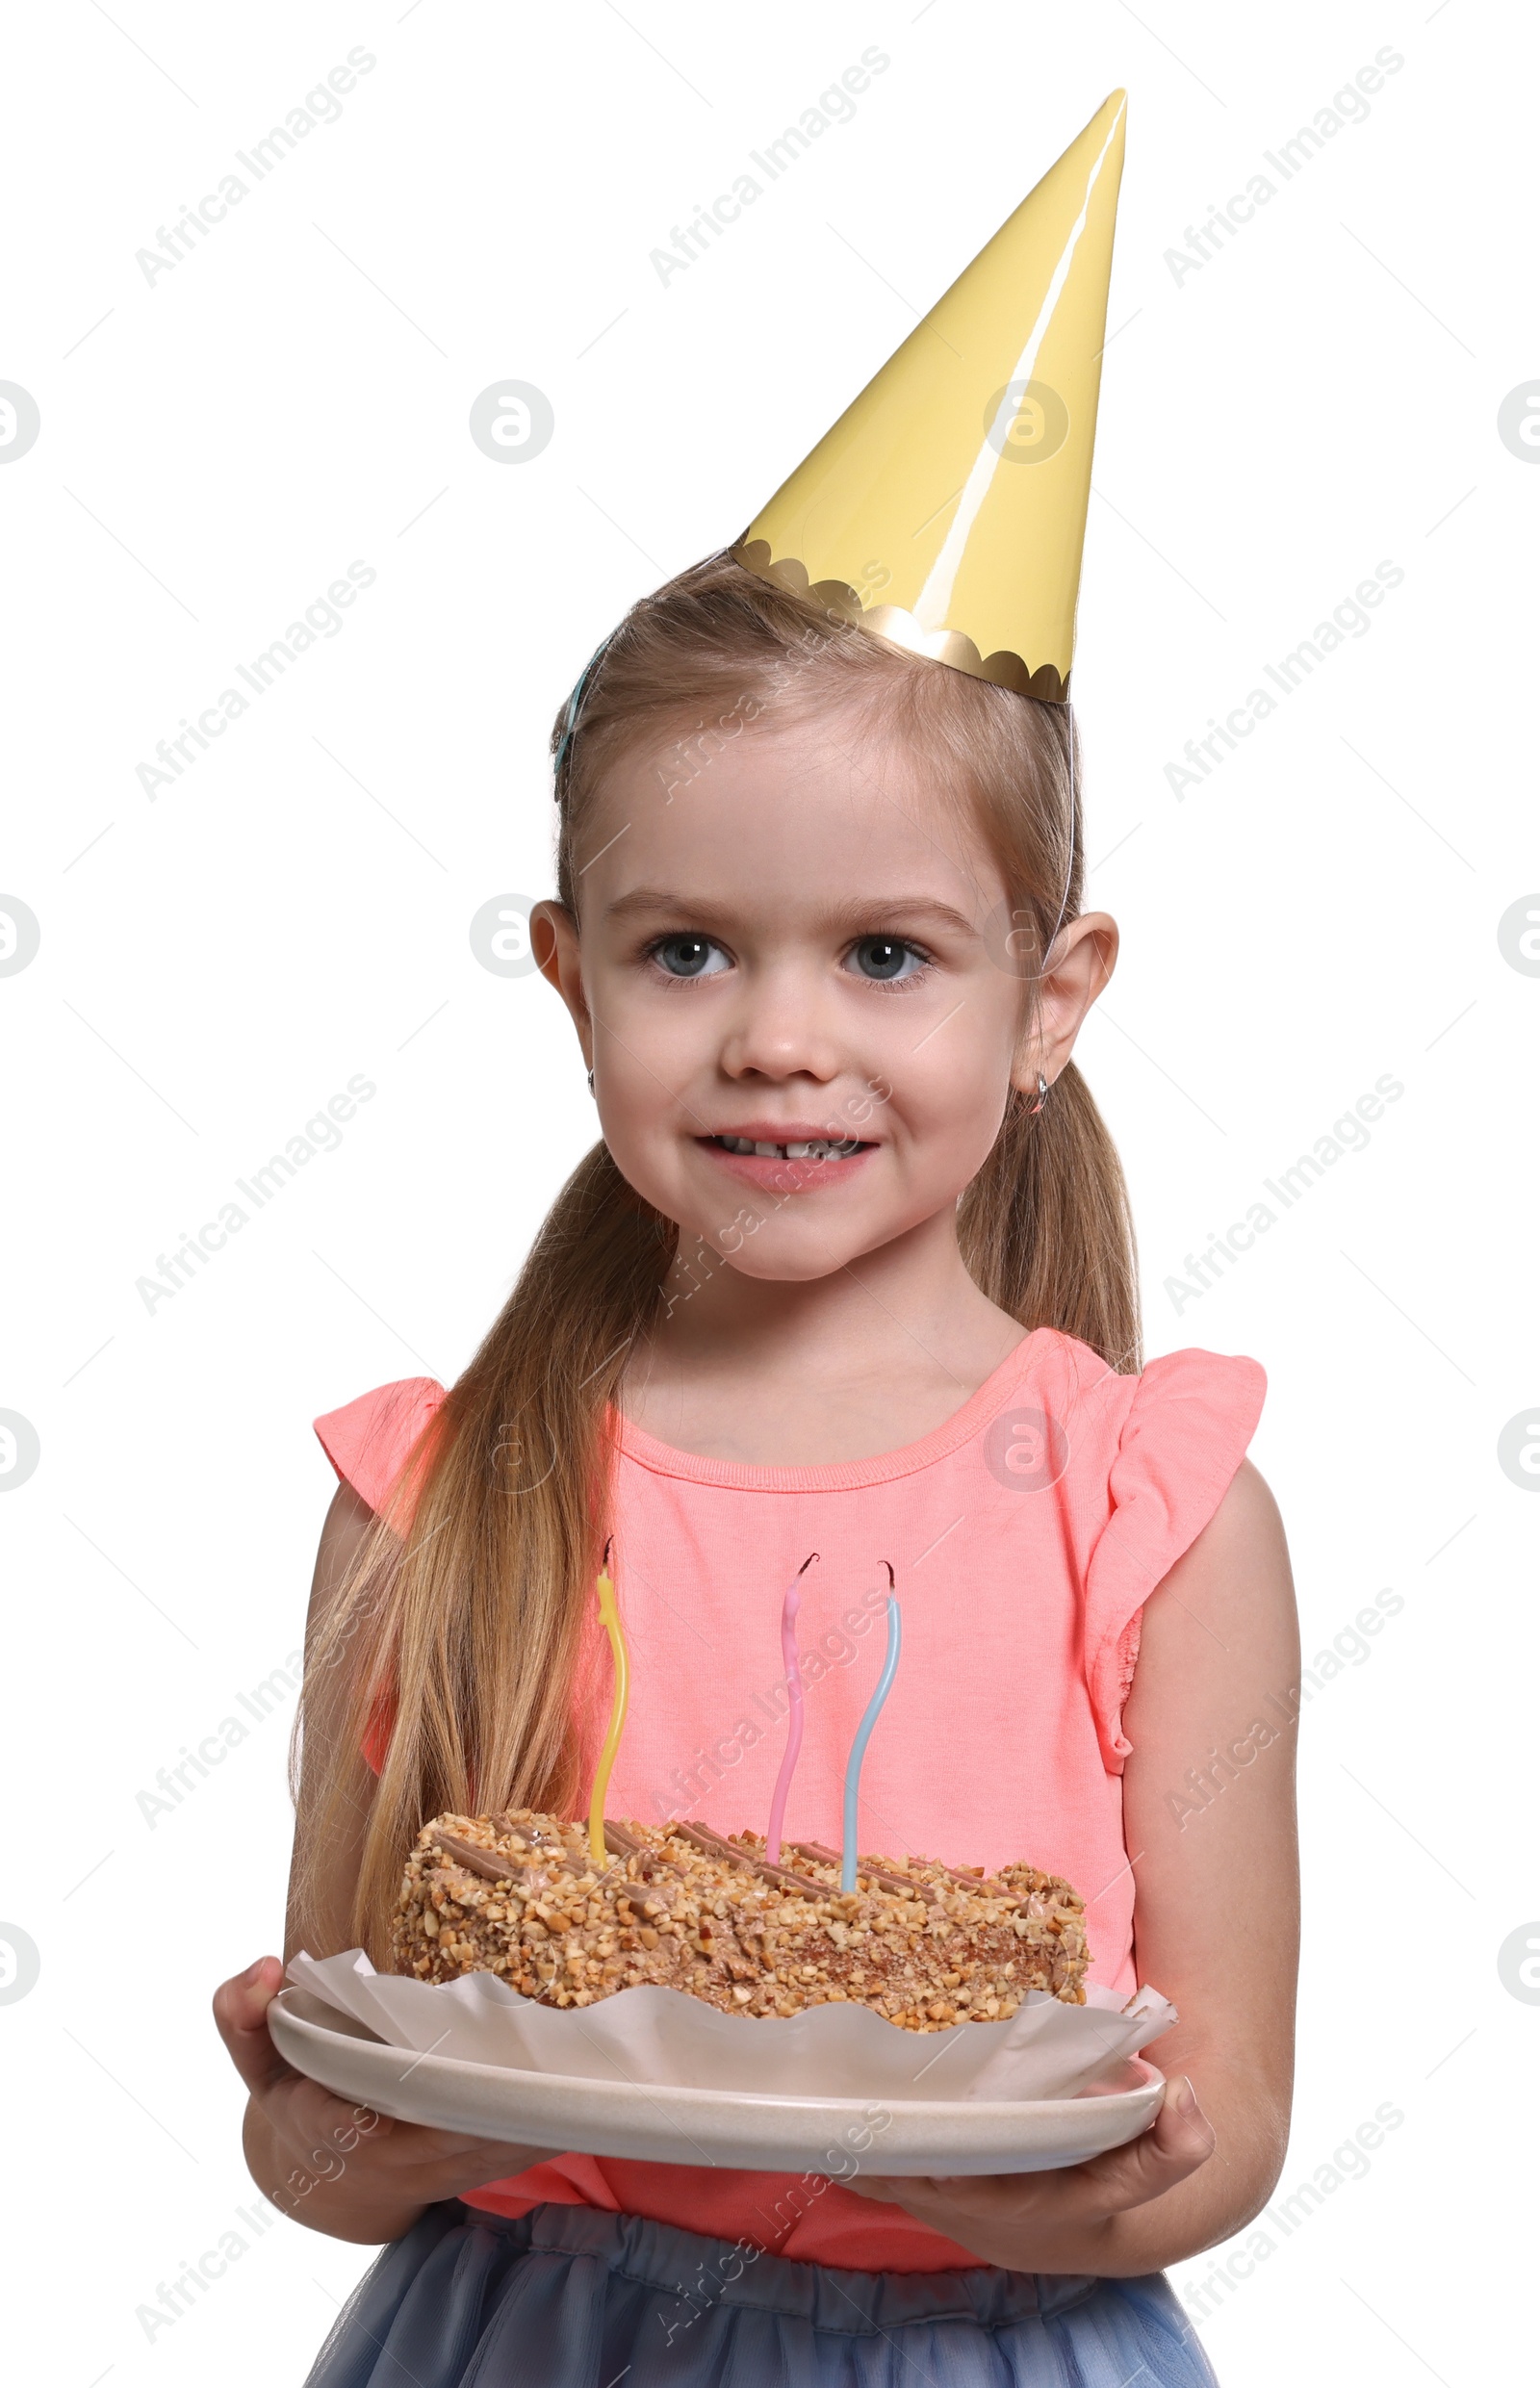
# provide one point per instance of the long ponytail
(1045, 1228)
(465, 1619)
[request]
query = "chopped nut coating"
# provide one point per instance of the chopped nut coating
(521, 1897)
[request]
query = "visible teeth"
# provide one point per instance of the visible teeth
(816, 1150)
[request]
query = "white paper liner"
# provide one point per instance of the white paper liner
(663, 2039)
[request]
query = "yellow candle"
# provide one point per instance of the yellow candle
(609, 1616)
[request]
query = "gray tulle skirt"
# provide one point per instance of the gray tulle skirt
(568, 2297)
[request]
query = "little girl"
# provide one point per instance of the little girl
(851, 1273)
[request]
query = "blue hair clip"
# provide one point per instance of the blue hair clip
(575, 703)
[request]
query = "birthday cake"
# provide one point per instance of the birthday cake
(925, 1944)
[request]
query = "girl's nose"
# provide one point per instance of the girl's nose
(781, 1029)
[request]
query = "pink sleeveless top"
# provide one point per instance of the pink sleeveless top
(1025, 1535)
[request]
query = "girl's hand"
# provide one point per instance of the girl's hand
(1061, 2222)
(1216, 1924)
(335, 2167)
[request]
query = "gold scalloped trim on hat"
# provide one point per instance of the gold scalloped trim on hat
(899, 627)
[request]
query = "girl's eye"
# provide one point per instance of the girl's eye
(689, 957)
(887, 958)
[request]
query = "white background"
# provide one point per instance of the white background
(217, 446)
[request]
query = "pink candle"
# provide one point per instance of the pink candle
(788, 1654)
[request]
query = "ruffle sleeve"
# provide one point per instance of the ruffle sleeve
(1185, 1433)
(369, 1441)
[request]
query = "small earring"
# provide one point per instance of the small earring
(1033, 1109)
(590, 1081)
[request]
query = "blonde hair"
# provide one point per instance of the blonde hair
(466, 1612)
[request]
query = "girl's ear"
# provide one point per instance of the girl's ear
(1080, 963)
(553, 942)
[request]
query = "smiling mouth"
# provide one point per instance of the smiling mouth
(817, 1148)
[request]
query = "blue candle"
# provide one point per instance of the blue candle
(858, 1748)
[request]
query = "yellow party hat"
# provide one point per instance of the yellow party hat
(946, 509)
